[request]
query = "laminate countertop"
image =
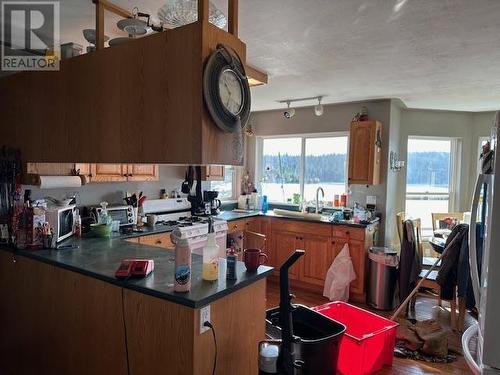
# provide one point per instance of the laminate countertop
(235, 215)
(99, 258)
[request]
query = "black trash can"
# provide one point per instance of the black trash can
(318, 338)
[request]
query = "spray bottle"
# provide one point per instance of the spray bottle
(211, 255)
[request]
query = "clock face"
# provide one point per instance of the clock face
(231, 91)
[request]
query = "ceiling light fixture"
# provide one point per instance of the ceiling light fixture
(290, 112)
(175, 13)
(318, 109)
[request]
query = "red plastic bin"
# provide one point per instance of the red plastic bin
(368, 343)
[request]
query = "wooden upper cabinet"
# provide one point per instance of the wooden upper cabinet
(155, 81)
(50, 169)
(109, 172)
(84, 169)
(143, 172)
(365, 139)
(213, 173)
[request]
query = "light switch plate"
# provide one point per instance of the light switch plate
(204, 317)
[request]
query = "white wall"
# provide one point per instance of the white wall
(171, 178)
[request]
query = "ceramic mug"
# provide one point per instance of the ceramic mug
(253, 258)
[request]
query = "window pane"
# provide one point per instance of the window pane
(428, 179)
(225, 188)
(281, 169)
(428, 166)
(325, 166)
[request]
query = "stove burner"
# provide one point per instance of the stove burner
(171, 223)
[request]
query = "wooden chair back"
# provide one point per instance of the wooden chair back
(401, 217)
(254, 240)
(442, 216)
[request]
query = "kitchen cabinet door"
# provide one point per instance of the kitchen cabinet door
(358, 256)
(109, 172)
(284, 244)
(317, 259)
(158, 240)
(84, 169)
(253, 224)
(213, 173)
(236, 226)
(143, 172)
(364, 152)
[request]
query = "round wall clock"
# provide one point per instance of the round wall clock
(226, 89)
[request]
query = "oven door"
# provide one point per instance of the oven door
(125, 215)
(66, 222)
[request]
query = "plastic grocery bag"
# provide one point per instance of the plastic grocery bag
(339, 277)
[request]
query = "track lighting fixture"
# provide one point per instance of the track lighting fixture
(318, 109)
(290, 112)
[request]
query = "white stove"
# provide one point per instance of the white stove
(176, 213)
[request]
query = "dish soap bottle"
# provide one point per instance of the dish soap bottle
(211, 255)
(103, 217)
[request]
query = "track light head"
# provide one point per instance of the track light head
(318, 109)
(289, 112)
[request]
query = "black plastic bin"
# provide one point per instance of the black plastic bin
(319, 338)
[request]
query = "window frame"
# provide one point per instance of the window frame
(259, 149)
(454, 173)
(237, 175)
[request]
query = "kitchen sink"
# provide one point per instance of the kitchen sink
(297, 214)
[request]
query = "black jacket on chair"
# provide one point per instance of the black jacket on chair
(455, 269)
(410, 264)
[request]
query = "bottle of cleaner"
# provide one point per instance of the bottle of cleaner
(231, 260)
(182, 278)
(211, 255)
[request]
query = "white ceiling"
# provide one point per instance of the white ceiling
(439, 54)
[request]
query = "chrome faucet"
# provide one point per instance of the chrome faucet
(317, 197)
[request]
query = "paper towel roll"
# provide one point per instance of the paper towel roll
(51, 182)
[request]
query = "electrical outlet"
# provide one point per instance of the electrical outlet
(204, 317)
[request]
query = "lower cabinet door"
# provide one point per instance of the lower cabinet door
(358, 257)
(284, 244)
(158, 240)
(317, 259)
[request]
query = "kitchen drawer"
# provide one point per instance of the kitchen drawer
(301, 227)
(236, 226)
(160, 240)
(342, 231)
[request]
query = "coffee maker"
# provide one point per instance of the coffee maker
(212, 204)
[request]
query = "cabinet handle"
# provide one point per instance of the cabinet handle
(158, 242)
(130, 175)
(124, 175)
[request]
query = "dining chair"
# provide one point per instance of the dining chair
(436, 217)
(401, 217)
(430, 281)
